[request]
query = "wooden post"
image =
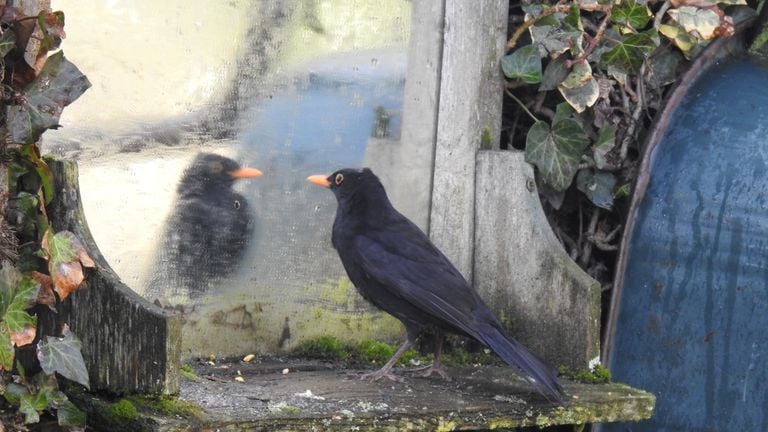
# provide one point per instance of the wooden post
(129, 344)
(541, 296)
(469, 117)
(411, 191)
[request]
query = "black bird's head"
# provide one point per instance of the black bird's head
(349, 184)
(211, 172)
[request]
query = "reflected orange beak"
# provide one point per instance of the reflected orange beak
(320, 180)
(246, 173)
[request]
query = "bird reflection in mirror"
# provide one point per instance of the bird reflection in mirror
(206, 234)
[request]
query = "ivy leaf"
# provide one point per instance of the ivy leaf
(69, 415)
(14, 392)
(45, 296)
(606, 140)
(46, 394)
(523, 64)
(66, 258)
(27, 203)
(18, 327)
(557, 33)
(66, 412)
(31, 405)
(58, 84)
(628, 54)
(7, 353)
(573, 29)
(700, 20)
(62, 355)
(7, 42)
(597, 186)
(32, 153)
(555, 72)
(663, 67)
(580, 88)
(632, 14)
(556, 152)
(23, 297)
(51, 24)
(677, 34)
(26, 336)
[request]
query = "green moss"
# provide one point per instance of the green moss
(341, 293)
(458, 357)
(366, 351)
(168, 405)
(371, 351)
(187, 372)
(486, 138)
(290, 410)
(123, 411)
(599, 375)
(323, 347)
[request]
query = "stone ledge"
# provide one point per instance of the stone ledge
(323, 396)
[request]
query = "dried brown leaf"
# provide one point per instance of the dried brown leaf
(24, 337)
(45, 296)
(83, 256)
(67, 278)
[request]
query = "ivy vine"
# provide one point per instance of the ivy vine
(40, 267)
(584, 80)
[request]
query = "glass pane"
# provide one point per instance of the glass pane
(292, 88)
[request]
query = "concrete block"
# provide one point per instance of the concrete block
(129, 345)
(523, 273)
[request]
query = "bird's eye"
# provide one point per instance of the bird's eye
(237, 204)
(216, 167)
(339, 179)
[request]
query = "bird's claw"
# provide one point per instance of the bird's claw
(429, 370)
(379, 374)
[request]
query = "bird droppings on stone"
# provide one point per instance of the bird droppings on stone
(309, 395)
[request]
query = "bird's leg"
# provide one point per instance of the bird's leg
(435, 367)
(386, 370)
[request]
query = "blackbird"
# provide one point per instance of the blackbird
(396, 267)
(207, 232)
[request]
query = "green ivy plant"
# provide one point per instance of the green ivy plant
(627, 38)
(36, 87)
(584, 80)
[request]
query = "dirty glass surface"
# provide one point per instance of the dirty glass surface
(291, 88)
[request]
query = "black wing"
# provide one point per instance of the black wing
(406, 262)
(403, 259)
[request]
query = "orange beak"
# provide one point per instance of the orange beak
(246, 173)
(319, 180)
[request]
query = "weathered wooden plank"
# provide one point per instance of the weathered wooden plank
(541, 296)
(469, 117)
(129, 344)
(412, 186)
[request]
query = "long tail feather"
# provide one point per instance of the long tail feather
(543, 377)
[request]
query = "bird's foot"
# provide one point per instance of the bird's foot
(426, 371)
(381, 373)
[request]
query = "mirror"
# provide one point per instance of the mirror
(187, 92)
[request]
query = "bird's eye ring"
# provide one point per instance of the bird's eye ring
(237, 204)
(339, 179)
